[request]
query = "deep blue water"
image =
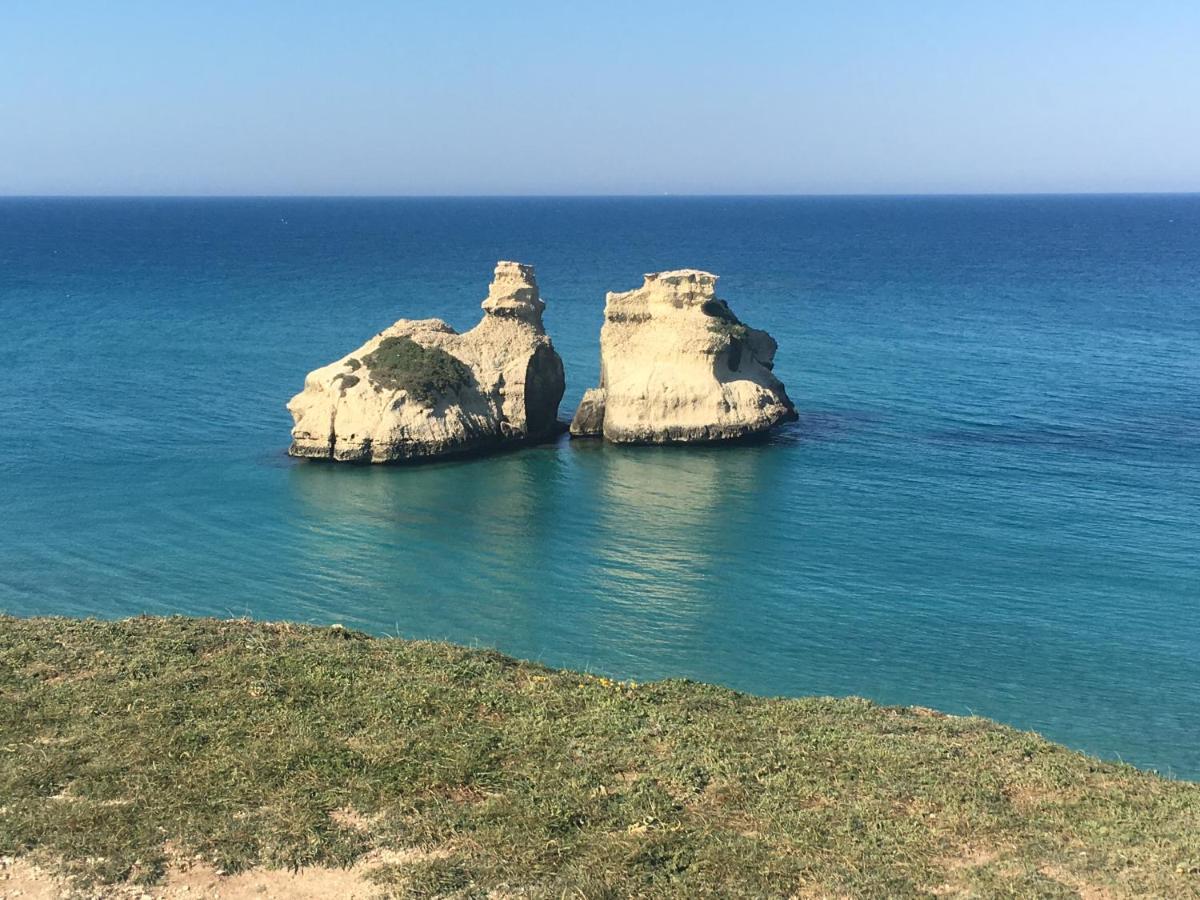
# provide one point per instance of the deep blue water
(991, 502)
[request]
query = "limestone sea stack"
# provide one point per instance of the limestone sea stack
(676, 365)
(419, 389)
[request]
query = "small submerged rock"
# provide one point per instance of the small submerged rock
(419, 389)
(676, 365)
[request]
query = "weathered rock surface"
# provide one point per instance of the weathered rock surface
(419, 389)
(676, 365)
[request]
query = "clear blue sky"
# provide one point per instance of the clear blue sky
(224, 97)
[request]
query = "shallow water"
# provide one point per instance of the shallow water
(991, 502)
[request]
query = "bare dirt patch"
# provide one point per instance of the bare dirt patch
(200, 881)
(349, 817)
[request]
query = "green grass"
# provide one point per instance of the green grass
(255, 744)
(426, 374)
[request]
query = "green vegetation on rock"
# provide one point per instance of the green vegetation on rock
(425, 373)
(251, 744)
(724, 320)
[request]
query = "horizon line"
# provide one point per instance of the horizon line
(614, 196)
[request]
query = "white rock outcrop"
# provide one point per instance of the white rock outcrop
(676, 365)
(419, 389)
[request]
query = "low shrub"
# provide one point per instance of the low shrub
(426, 374)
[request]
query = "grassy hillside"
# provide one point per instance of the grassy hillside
(126, 745)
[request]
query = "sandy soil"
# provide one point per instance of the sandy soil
(25, 880)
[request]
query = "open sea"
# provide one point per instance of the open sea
(990, 504)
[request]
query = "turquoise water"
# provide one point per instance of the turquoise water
(991, 502)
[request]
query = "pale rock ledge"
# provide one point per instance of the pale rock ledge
(419, 389)
(676, 365)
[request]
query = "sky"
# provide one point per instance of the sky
(174, 97)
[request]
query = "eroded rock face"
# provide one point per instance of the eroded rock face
(419, 389)
(676, 365)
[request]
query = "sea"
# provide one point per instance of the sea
(990, 504)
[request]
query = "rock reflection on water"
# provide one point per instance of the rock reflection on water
(577, 552)
(449, 529)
